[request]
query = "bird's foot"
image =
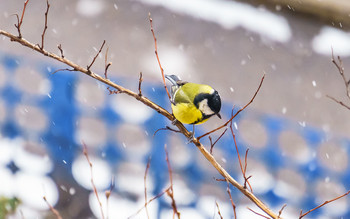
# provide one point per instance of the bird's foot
(174, 122)
(190, 139)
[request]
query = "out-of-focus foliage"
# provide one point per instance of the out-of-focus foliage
(8, 206)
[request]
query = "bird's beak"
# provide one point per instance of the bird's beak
(218, 114)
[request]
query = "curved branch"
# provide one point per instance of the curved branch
(157, 108)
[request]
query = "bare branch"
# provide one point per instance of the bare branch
(154, 106)
(140, 81)
(339, 65)
(212, 144)
(145, 183)
(166, 128)
(340, 68)
(243, 170)
(45, 27)
(323, 204)
(149, 201)
(240, 110)
(107, 65)
(20, 21)
(63, 69)
(246, 160)
(114, 91)
(98, 53)
(61, 50)
(261, 215)
(339, 102)
(108, 194)
(230, 195)
(170, 192)
(52, 209)
(92, 179)
(156, 52)
(217, 205)
(280, 212)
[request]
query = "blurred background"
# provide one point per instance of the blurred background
(298, 138)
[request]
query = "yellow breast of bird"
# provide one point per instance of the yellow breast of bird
(187, 113)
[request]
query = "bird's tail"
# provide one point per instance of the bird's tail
(173, 79)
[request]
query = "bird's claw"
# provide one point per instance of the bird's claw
(174, 121)
(190, 138)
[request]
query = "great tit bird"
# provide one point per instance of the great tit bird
(193, 103)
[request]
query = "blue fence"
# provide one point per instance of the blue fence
(290, 162)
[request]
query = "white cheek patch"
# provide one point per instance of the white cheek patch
(203, 106)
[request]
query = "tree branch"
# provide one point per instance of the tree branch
(340, 68)
(98, 53)
(61, 50)
(170, 192)
(217, 205)
(240, 110)
(45, 27)
(157, 108)
(140, 82)
(323, 204)
(145, 183)
(92, 179)
(52, 209)
(232, 203)
(19, 21)
(212, 144)
(156, 52)
(107, 65)
(339, 102)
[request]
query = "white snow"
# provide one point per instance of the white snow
(102, 173)
(130, 110)
(230, 15)
(90, 8)
(314, 83)
(329, 38)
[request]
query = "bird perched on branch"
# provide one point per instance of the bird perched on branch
(193, 103)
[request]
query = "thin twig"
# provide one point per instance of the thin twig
(339, 102)
(323, 204)
(52, 209)
(170, 192)
(140, 82)
(98, 53)
(243, 170)
(61, 50)
(280, 212)
(155, 107)
(45, 27)
(145, 183)
(217, 205)
(246, 160)
(20, 21)
(117, 91)
(156, 52)
(212, 144)
(107, 65)
(340, 68)
(240, 110)
(63, 69)
(261, 215)
(92, 179)
(108, 194)
(230, 195)
(149, 201)
(167, 128)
